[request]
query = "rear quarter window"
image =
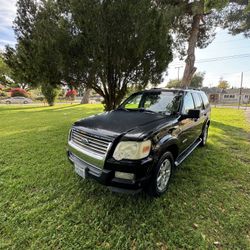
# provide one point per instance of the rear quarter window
(204, 99)
(197, 101)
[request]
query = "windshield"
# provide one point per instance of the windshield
(165, 102)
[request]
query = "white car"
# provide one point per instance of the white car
(17, 100)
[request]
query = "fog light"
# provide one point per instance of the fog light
(122, 175)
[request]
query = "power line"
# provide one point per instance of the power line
(215, 59)
(223, 58)
(231, 40)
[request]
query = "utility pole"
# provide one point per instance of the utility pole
(241, 83)
(178, 68)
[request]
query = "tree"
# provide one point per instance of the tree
(21, 58)
(223, 84)
(175, 83)
(128, 43)
(37, 56)
(85, 98)
(4, 71)
(50, 92)
(196, 82)
(19, 73)
(196, 23)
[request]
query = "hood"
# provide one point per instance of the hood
(119, 122)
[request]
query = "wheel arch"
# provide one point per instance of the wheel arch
(170, 145)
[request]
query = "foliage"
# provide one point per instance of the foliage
(196, 82)
(21, 58)
(50, 93)
(36, 57)
(237, 18)
(223, 84)
(71, 94)
(18, 92)
(175, 83)
(4, 71)
(207, 203)
(195, 26)
(3, 93)
(128, 43)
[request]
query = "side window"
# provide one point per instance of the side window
(197, 101)
(205, 99)
(188, 103)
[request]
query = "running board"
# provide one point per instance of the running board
(186, 154)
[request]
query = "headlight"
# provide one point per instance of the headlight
(132, 150)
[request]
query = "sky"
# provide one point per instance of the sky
(224, 45)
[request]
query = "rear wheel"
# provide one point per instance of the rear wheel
(8, 102)
(25, 102)
(162, 175)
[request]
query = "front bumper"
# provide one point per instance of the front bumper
(106, 175)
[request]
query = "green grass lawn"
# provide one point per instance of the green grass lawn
(44, 205)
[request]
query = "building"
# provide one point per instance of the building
(228, 96)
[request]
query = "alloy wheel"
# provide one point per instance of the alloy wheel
(163, 175)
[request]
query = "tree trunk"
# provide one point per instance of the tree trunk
(190, 60)
(112, 101)
(85, 98)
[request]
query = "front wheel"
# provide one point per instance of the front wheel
(162, 175)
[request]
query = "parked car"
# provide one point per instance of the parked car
(138, 145)
(17, 100)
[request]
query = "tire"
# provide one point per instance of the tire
(8, 102)
(25, 102)
(204, 136)
(165, 167)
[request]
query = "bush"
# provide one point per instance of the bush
(3, 94)
(71, 94)
(18, 92)
(50, 93)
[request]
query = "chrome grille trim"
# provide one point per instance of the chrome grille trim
(95, 144)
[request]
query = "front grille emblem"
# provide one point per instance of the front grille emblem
(85, 141)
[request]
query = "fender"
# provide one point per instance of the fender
(168, 141)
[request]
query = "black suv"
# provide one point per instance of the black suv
(138, 145)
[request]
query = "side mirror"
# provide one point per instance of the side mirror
(194, 113)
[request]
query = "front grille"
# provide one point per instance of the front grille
(93, 143)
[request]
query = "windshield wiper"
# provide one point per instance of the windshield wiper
(146, 110)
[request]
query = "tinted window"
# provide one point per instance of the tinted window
(188, 103)
(205, 99)
(197, 101)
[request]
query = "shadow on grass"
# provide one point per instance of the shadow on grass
(48, 108)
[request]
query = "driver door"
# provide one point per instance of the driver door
(187, 125)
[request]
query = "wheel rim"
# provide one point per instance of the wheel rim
(163, 175)
(205, 135)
